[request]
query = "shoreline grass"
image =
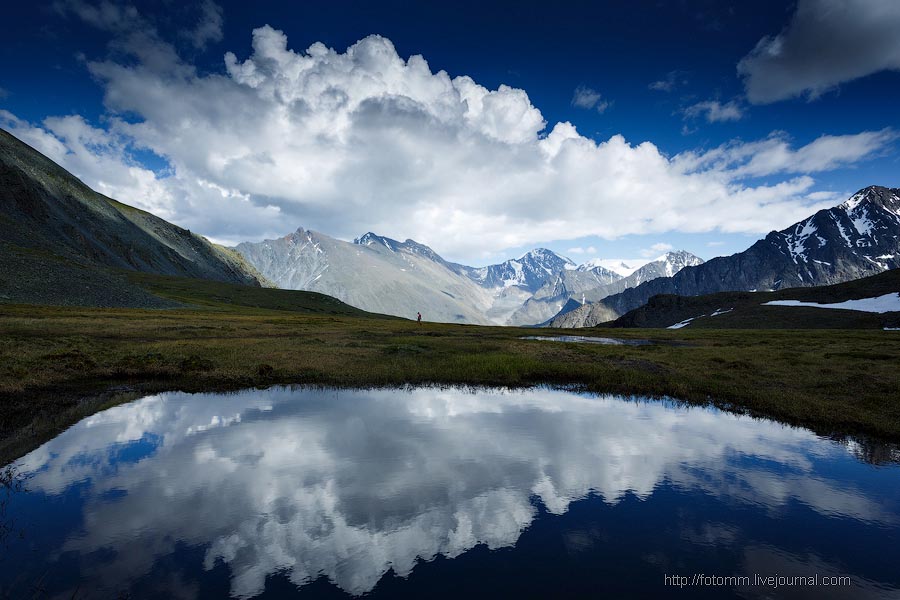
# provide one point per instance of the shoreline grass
(58, 365)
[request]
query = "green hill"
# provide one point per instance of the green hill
(748, 310)
(61, 243)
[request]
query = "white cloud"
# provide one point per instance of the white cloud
(775, 155)
(209, 25)
(103, 15)
(715, 111)
(657, 249)
(826, 43)
(580, 250)
(347, 142)
(585, 97)
(672, 80)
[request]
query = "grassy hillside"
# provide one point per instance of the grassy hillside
(58, 364)
(62, 243)
(215, 296)
(746, 310)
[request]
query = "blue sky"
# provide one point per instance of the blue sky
(140, 101)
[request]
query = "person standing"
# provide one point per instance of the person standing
(419, 317)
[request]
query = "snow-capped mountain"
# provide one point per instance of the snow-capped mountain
(665, 266)
(857, 238)
(409, 246)
(624, 268)
(591, 282)
(528, 272)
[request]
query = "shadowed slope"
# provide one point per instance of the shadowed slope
(63, 243)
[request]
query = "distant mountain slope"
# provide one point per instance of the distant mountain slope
(590, 284)
(749, 310)
(857, 238)
(375, 274)
(383, 275)
(63, 243)
(553, 296)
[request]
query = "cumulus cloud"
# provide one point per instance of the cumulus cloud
(715, 111)
(826, 43)
(587, 98)
(580, 250)
(350, 141)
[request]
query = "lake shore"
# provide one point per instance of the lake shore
(61, 364)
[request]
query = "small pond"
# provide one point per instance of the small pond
(449, 493)
(583, 339)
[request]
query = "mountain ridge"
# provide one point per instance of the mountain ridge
(380, 274)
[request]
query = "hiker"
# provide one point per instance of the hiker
(419, 317)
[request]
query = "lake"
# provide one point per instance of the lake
(433, 492)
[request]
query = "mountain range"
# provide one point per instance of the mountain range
(571, 289)
(383, 275)
(857, 238)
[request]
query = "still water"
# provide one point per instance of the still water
(583, 339)
(444, 493)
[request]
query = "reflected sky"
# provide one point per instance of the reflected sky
(373, 491)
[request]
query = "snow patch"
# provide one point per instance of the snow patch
(841, 229)
(687, 322)
(684, 323)
(880, 304)
(797, 240)
(517, 277)
(853, 202)
(862, 223)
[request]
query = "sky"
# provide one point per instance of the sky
(614, 130)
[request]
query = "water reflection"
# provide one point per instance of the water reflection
(350, 485)
(583, 339)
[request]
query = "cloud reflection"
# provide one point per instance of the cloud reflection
(352, 484)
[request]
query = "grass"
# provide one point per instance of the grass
(58, 364)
